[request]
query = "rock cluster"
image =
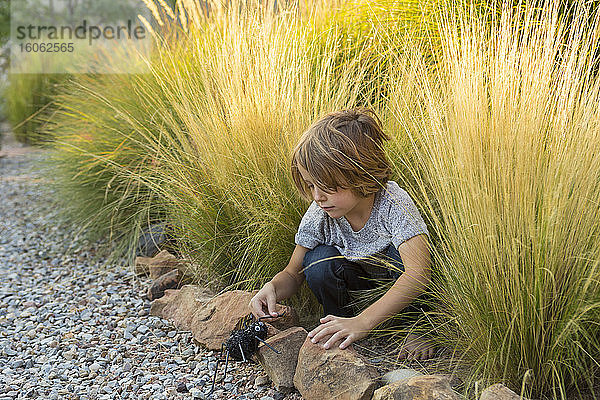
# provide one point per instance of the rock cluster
(212, 318)
(297, 363)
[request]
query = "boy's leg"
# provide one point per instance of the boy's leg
(329, 275)
(386, 267)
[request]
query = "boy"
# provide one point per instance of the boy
(357, 219)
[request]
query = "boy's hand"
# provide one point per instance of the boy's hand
(337, 328)
(264, 302)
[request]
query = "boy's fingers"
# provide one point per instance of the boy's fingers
(324, 333)
(315, 331)
(318, 333)
(252, 307)
(271, 306)
(326, 319)
(321, 338)
(257, 308)
(336, 337)
(346, 343)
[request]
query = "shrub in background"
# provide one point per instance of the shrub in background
(27, 99)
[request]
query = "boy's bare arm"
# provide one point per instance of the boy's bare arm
(288, 281)
(412, 283)
(283, 285)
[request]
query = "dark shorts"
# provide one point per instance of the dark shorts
(336, 281)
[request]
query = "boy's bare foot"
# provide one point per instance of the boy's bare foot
(415, 348)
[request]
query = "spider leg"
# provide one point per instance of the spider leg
(242, 351)
(226, 364)
(266, 344)
(212, 388)
(270, 316)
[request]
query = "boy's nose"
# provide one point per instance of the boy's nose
(319, 195)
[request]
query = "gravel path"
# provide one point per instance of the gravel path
(73, 327)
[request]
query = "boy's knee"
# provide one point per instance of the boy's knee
(321, 252)
(319, 264)
(393, 262)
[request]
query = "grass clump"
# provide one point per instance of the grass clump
(105, 130)
(505, 146)
(27, 100)
(244, 88)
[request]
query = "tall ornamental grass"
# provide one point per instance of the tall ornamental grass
(244, 88)
(505, 129)
(27, 101)
(104, 129)
(203, 140)
(216, 90)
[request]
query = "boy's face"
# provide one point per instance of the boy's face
(341, 203)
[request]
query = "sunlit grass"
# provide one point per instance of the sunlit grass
(104, 135)
(505, 165)
(249, 88)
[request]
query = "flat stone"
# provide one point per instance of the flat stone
(399, 375)
(180, 305)
(261, 380)
(333, 373)
(499, 392)
(211, 319)
(171, 280)
(95, 367)
(196, 393)
(426, 387)
(158, 265)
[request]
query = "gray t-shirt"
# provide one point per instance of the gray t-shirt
(394, 219)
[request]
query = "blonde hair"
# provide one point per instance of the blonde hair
(344, 149)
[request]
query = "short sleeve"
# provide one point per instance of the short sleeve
(311, 231)
(403, 220)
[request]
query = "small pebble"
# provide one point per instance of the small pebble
(262, 380)
(182, 387)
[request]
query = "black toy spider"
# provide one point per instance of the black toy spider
(243, 342)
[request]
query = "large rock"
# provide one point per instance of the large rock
(333, 374)
(287, 320)
(158, 265)
(211, 319)
(426, 387)
(499, 392)
(170, 280)
(282, 367)
(181, 306)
